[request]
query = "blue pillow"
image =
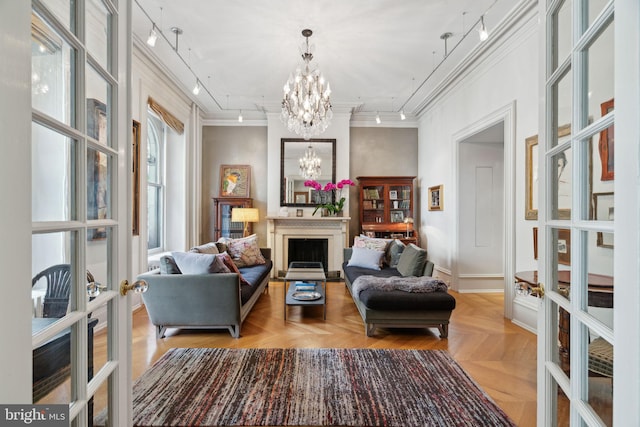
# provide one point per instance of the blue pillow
(366, 258)
(195, 263)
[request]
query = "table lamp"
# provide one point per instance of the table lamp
(408, 220)
(245, 215)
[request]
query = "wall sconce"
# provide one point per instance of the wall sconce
(245, 215)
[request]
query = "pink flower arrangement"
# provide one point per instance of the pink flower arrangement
(336, 203)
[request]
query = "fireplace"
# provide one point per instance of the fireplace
(329, 232)
(309, 250)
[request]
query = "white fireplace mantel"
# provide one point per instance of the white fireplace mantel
(281, 228)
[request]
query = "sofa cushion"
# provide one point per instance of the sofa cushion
(352, 272)
(394, 250)
(253, 276)
(168, 265)
(366, 258)
(407, 301)
(207, 248)
(245, 252)
(412, 259)
(195, 263)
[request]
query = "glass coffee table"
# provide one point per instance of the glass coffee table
(311, 273)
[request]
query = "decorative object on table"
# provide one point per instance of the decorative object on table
(305, 286)
(306, 107)
(409, 381)
(306, 295)
(605, 146)
(331, 194)
(245, 215)
(235, 180)
(310, 164)
(436, 198)
(408, 220)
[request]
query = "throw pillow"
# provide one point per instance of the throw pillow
(371, 243)
(394, 250)
(168, 265)
(221, 244)
(233, 268)
(245, 252)
(365, 258)
(412, 259)
(207, 248)
(193, 263)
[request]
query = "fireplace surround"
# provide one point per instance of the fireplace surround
(335, 230)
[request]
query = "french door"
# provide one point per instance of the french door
(71, 119)
(589, 88)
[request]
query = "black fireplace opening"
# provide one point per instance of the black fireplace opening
(304, 250)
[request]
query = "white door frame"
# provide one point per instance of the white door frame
(506, 115)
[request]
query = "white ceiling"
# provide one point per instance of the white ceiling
(374, 53)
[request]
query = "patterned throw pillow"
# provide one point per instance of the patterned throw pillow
(373, 243)
(233, 268)
(245, 252)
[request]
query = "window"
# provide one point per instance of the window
(155, 183)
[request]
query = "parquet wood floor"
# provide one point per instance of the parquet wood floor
(499, 356)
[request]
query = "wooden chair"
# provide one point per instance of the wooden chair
(56, 298)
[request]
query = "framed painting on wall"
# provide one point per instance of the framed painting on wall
(606, 145)
(436, 195)
(603, 210)
(235, 180)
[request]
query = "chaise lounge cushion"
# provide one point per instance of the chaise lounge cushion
(409, 301)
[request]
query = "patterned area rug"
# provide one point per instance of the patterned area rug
(317, 387)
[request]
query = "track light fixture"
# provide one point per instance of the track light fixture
(378, 121)
(402, 116)
(153, 36)
(482, 31)
(240, 118)
(196, 88)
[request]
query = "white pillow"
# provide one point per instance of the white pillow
(365, 258)
(194, 263)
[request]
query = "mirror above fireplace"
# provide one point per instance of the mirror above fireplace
(292, 189)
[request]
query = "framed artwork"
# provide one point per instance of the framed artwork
(397, 216)
(531, 177)
(605, 146)
(235, 180)
(564, 246)
(603, 210)
(436, 194)
(300, 197)
(393, 194)
(135, 152)
(299, 212)
(98, 194)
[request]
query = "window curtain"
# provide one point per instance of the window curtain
(166, 116)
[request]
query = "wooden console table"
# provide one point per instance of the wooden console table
(600, 294)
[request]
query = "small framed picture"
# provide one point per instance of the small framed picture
(397, 216)
(299, 212)
(235, 180)
(393, 194)
(436, 195)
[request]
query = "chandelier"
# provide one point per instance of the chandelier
(310, 164)
(306, 107)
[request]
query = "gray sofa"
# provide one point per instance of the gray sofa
(204, 301)
(397, 308)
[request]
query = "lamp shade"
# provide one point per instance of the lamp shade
(245, 215)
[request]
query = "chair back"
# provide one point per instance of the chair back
(56, 298)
